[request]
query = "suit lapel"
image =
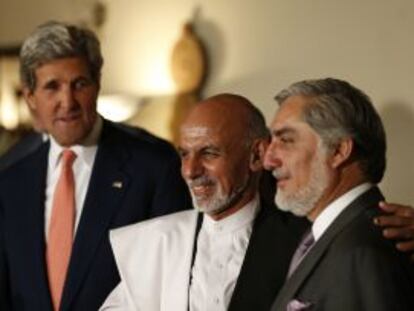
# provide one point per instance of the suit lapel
(107, 187)
(316, 254)
(274, 238)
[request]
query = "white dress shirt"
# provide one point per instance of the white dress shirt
(221, 247)
(332, 211)
(82, 169)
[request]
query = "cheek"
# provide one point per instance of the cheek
(216, 172)
(44, 111)
(233, 177)
(88, 108)
(87, 99)
(301, 170)
(88, 102)
(42, 102)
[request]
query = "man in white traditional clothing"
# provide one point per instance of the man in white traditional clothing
(232, 252)
(192, 260)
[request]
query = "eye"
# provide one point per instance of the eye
(287, 139)
(182, 153)
(211, 153)
(52, 85)
(81, 83)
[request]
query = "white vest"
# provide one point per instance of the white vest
(159, 279)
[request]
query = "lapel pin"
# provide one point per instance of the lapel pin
(117, 184)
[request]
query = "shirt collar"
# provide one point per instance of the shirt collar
(328, 215)
(85, 151)
(241, 218)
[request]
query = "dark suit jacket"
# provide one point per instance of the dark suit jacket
(24, 147)
(352, 267)
(274, 239)
(151, 186)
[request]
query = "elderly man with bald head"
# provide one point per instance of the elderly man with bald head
(232, 252)
(202, 259)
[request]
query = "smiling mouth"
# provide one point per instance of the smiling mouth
(201, 190)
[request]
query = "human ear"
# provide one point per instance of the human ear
(29, 98)
(257, 154)
(342, 152)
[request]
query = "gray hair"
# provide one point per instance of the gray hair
(55, 40)
(337, 110)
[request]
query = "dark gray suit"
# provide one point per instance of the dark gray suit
(352, 267)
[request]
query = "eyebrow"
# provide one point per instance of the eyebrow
(203, 147)
(284, 130)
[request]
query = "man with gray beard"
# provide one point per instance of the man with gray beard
(233, 251)
(207, 261)
(328, 154)
(302, 200)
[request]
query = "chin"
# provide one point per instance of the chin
(75, 136)
(207, 209)
(68, 141)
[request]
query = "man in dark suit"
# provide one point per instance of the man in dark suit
(217, 153)
(54, 252)
(328, 153)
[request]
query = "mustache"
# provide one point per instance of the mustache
(201, 181)
(279, 173)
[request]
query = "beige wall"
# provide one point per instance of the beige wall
(19, 17)
(258, 47)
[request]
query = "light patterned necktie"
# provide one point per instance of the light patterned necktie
(303, 248)
(60, 236)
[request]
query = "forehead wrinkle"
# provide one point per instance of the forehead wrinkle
(196, 131)
(196, 136)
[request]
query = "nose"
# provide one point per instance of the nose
(272, 159)
(191, 168)
(67, 98)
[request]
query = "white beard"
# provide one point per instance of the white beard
(219, 201)
(301, 202)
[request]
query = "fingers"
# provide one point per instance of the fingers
(392, 221)
(396, 215)
(406, 247)
(397, 209)
(387, 207)
(403, 233)
(398, 224)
